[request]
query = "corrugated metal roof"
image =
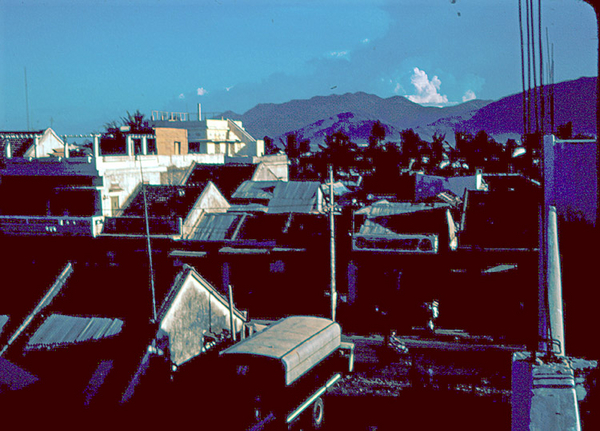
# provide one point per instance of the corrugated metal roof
(385, 208)
(217, 227)
(294, 197)
(428, 186)
(256, 208)
(339, 189)
(371, 228)
(255, 190)
(58, 329)
(3, 320)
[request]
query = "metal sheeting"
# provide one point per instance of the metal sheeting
(295, 197)
(255, 190)
(58, 329)
(3, 320)
(428, 186)
(299, 342)
(283, 196)
(217, 227)
(372, 228)
(385, 208)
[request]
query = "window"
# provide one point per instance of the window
(194, 147)
(114, 205)
(177, 148)
(137, 146)
(151, 146)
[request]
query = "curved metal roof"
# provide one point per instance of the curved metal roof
(298, 342)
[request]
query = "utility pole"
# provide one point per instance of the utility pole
(332, 244)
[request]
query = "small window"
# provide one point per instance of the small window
(114, 205)
(137, 146)
(151, 143)
(177, 148)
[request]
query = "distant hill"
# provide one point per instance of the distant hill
(355, 113)
(398, 113)
(574, 101)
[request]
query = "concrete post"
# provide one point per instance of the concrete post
(554, 283)
(66, 144)
(145, 145)
(8, 149)
(36, 141)
(96, 146)
(129, 145)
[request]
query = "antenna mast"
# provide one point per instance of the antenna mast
(26, 98)
(148, 244)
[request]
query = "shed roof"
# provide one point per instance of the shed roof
(384, 208)
(217, 227)
(59, 329)
(255, 190)
(295, 197)
(3, 320)
(428, 186)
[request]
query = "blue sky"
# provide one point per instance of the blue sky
(89, 61)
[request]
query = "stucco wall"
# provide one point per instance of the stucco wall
(166, 138)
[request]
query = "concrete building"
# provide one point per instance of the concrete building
(71, 194)
(211, 136)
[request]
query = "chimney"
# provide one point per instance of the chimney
(199, 111)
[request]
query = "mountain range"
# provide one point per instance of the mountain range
(355, 113)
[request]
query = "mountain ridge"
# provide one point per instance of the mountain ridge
(318, 116)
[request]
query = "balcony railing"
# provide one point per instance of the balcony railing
(51, 225)
(136, 226)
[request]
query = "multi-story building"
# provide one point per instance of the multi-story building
(63, 189)
(211, 136)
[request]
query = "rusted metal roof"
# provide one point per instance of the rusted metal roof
(59, 329)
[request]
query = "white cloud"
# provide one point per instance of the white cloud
(202, 91)
(339, 54)
(399, 89)
(367, 40)
(469, 95)
(182, 96)
(427, 91)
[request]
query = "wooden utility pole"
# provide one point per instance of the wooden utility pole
(332, 244)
